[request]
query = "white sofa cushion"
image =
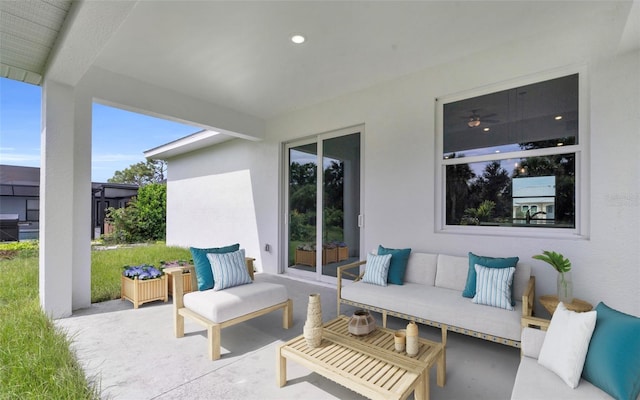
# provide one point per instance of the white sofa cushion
(437, 304)
(223, 305)
(535, 382)
(452, 272)
(421, 268)
(532, 340)
(521, 279)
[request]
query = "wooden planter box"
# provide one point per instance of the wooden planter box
(143, 291)
(329, 255)
(186, 280)
(306, 257)
(343, 253)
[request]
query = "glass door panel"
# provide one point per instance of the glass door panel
(302, 204)
(323, 204)
(340, 202)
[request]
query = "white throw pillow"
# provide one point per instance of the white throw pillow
(493, 286)
(377, 269)
(566, 343)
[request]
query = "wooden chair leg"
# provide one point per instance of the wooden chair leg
(444, 335)
(178, 325)
(287, 314)
(213, 334)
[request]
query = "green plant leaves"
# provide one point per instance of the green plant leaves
(556, 260)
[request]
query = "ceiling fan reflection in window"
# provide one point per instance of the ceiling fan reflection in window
(475, 119)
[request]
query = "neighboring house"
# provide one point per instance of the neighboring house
(20, 197)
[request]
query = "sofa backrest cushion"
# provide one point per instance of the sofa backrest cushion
(452, 272)
(521, 279)
(421, 268)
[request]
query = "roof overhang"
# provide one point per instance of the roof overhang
(187, 144)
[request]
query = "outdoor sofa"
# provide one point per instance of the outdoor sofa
(588, 357)
(431, 293)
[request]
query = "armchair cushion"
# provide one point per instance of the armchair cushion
(235, 302)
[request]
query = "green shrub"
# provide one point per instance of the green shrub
(143, 219)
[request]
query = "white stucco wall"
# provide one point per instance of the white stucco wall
(399, 168)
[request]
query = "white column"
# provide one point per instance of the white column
(65, 179)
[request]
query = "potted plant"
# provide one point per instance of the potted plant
(143, 283)
(187, 285)
(563, 266)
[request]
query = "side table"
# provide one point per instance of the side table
(550, 302)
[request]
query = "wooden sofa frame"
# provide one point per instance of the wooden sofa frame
(527, 309)
(214, 328)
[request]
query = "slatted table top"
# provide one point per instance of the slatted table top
(367, 364)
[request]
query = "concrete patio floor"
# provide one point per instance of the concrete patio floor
(132, 354)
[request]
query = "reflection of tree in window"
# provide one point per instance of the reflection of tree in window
(539, 119)
(458, 177)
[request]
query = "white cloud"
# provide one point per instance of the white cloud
(8, 157)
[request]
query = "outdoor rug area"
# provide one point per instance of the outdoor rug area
(132, 354)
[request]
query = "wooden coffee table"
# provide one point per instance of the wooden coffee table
(367, 364)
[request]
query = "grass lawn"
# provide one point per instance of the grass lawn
(35, 358)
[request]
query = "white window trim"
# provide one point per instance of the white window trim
(582, 160)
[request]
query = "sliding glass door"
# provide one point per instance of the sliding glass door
(323, 204)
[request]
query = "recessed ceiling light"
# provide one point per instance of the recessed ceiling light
(558, 117)
(486, 129)
(298, 39)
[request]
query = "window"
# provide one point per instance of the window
(508, 158)
(33, 210)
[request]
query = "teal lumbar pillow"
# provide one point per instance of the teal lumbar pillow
(613, 358)
(398, 264)
(204, 273)
(489, 262)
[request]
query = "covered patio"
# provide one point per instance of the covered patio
(139, 358)
(230, 69)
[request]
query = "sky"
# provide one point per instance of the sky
(119, 137)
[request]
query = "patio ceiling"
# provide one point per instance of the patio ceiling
(239, 54)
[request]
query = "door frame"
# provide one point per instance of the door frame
(284, 211)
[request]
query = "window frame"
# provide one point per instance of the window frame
(580, 150)
(29, 211)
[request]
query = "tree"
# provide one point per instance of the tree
(144, 218)
(495, 185)
(458, 177)
(142, 173)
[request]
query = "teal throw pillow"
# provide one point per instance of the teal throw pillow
(613, 358)
(489, 262)
(398, 265)
(202, 265)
